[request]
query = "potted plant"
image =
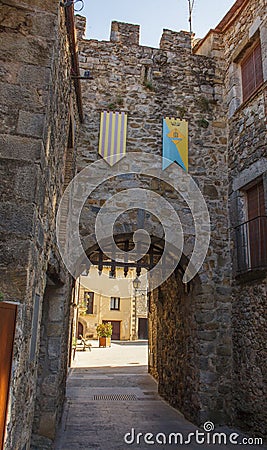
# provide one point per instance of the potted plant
(104, 332)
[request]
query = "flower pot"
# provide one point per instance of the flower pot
(105, 342)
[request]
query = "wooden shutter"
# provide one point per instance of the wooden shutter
(257, 226)
(255, 200)
(252, 73)
(258, 66)
(7, 331)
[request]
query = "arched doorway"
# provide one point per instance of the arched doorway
(171, 326)
(186, 336)
(80, 329)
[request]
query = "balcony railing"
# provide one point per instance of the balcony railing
(251, 244)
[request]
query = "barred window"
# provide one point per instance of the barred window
(251, 235)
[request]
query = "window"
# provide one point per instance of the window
(115, 303)
(251, 236)
(251, 70)
(89, 302)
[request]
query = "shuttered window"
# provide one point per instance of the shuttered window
(255, 201)
(252, 74)
(257, 226)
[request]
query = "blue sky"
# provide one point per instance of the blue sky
(153, 16)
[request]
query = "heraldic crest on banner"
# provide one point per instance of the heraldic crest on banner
(175, 142)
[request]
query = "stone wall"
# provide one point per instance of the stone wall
(190, 349)
(247, 162)
(149, 84)
(53, 354)
(35, 114)
(175, 353)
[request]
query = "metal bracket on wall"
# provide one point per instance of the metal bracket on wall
(68, 3)
(77, 77)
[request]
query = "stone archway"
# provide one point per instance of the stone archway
(183, 336)
(190, 338)
(204, 312)
(80, 329)
(204, 378)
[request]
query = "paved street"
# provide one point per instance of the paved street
(119, 354)
(109, 394)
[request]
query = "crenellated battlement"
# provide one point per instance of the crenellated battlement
(129, 34)
(175, 40)
(124, 33)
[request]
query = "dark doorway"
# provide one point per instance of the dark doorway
(80, 329)
(142, 328)
(52, 364)
(116, 329)
(7, 330)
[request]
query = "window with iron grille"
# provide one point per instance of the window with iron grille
(251, 235)
(89, 302)
(115, 303)
(251, 70)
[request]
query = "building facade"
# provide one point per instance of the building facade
(128, 315)
(240, 42)
(220, 88)
(148, 84)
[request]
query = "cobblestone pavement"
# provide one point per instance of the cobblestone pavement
(109, 394)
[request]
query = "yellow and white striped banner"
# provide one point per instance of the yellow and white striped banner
(112, 139)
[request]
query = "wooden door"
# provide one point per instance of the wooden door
(80, 329)
(116, 329)
(7, 331)
(142, 328)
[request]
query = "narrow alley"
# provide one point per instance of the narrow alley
(133, 214)
(114, 398)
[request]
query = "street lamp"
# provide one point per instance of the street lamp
(136, 286)
(136, 283)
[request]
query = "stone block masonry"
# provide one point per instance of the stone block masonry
(207, 338)
(36, 105)
(247, 165)
(124, 33)
(149, 84)
(246, 159)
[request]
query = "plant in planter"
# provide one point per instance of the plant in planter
(104, 332)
